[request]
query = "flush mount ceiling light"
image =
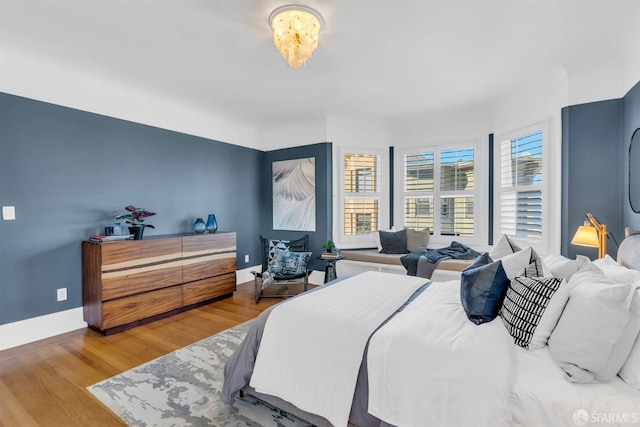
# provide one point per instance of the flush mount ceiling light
(295, 32)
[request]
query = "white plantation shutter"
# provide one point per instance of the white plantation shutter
(361, 200)
(456, 170)
(456, 192)
(360, 216)
(456, 216)
(418, 172)
(418, 185)
(521, 201)
(438, 190)
(418, 212)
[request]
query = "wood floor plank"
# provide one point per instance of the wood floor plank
(12, 413)
(44, 383)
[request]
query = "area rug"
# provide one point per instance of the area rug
(183, 388)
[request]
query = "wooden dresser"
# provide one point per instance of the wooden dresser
(129, 282)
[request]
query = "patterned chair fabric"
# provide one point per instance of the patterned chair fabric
(265, 278)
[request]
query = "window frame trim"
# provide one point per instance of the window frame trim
(382, 195)
(550, 174)
(480, 182)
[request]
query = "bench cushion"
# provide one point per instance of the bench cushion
(373, 256)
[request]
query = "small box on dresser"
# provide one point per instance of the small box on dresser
(129, 282)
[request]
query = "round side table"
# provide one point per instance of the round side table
(330, 269)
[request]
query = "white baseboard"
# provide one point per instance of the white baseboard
(245, 275)
(37, 328)
(41, 327)
(316, 277)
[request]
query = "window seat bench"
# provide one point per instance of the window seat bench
(359, 260)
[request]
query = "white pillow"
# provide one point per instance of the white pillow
(630, 372)
(376, 239)
(550, 317)
(503, 247)
(516, 262)
(616, 272)
(561, 266)
(607, 260)
(596, 331)
(588, 273)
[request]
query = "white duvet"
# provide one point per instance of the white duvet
(428, 366)
(313, 345)
(543, 397)
(431, 366)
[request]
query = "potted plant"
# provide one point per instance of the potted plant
(135, 217)
(330, 246)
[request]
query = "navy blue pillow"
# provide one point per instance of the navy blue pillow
(394, 242)
(482, 289)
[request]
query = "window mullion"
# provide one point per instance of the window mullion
(436, 193)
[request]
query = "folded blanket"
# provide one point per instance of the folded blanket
(454, 251)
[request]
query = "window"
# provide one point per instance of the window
(364, 223)
(520, 177)
(418, 189)
(364, 180)
(456, 189)
(422, 208)
(362, 198)
(438, 190)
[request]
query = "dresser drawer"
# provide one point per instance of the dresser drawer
(203, 290)
(207, 244)
(119, 283)
(137, 307)
(134, 253)
(209, 265)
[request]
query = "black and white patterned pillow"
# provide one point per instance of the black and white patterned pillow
(516, 262)
(524, 304)
(534, 269)
(286, 263)
(276, 245)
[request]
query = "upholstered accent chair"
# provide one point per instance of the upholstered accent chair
(284, 263)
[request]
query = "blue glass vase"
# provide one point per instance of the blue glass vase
(199, 226)
(212, 224)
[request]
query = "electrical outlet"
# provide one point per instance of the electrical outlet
(8, 213)
(62, 294)
(246, 258)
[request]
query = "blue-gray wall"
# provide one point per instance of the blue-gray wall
(595, 172)
(69, 172)
(631, 123)
(591, 171)
(324, 200)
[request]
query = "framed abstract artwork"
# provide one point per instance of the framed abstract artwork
(294, 194)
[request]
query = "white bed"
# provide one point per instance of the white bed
(429, 365)
(542, 396)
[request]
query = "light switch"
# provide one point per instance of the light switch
(8, 213)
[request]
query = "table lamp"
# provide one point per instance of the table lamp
(592, 234)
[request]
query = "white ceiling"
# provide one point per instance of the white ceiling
(378, 58)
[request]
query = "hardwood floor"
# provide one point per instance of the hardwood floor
(44, 383)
